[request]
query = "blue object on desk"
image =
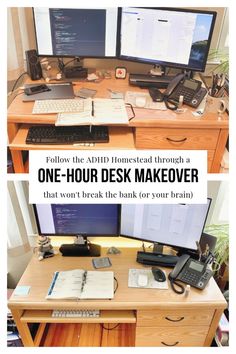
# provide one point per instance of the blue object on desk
(21, 290)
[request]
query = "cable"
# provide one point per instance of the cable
(13, 88)
(108, 328)
(132, 109)
(116, 287)
(174, 283)
(173, 106)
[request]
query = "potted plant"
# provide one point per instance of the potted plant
(221, 60)
(221, 266)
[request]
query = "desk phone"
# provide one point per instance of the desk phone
(191, 271)
(191, 90)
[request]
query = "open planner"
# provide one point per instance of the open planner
(96, 111)
(81, 284)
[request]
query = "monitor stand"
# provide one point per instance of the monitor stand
(158, 70)
(80, 248)
(157, 248)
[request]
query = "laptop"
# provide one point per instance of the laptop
(57, 91)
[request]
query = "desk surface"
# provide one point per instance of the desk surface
(21, 112)
(38, 276)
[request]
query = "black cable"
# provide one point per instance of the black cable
(13, 88)
(132, 109)
(174, 283)
(116, 287)
(62, 66)
(173, 106)
(143, 247)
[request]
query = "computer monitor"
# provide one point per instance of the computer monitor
(176, 225)
(167, 37)
(73, 32)
(82, 220)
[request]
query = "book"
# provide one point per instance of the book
(81, 284)
(151, 284)
(97, 111)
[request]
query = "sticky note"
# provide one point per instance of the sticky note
(21, 290)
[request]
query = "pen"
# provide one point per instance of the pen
(83, 281)
(90, 127)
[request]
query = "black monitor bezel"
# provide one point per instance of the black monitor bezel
(163, 63)
(75, 234)
(167, 244)
(77, 56)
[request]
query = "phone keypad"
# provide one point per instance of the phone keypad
(186, 92)
(189, 277)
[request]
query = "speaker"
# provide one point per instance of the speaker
(33, 64)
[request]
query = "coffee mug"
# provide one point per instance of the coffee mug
(215, 105)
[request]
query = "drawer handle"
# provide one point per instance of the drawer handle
(170, 345)
(172, 320)
(176, 141)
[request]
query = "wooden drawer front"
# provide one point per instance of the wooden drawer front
(188, 336)
(210, 157)
(170, 318)
(180, 139)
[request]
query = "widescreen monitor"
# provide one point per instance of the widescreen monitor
(75, 32)
(77, 219)
(168, 37)
(176, 225)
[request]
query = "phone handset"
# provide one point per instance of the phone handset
(171, 87)
(175, 272)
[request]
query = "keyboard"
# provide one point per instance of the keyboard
(67, 134)
(58, 106)
(76, 313)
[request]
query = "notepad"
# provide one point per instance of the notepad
(97, 111)
(81, 284)
(151, 284)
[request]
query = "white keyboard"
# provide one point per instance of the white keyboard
(58, 106)
(76, 313)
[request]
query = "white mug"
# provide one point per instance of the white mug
(215, 105)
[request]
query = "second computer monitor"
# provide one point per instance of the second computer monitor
(170, 37)
(177, 225)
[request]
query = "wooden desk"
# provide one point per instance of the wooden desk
(148, 130)
(152, 317)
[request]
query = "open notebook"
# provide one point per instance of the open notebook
(81, 284)
(96, 111)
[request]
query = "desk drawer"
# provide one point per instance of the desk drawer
(171, 318)
(188, 336)
(180, 139)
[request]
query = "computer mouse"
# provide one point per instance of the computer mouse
(142, 280)
(140, 101)
(158, 274)
(155, 94)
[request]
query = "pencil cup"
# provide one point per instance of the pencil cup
(215, 105)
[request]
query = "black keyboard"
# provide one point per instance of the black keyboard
(67, 135)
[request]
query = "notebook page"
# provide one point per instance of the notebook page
(110, 111)
(66, 285)
(98, 285)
